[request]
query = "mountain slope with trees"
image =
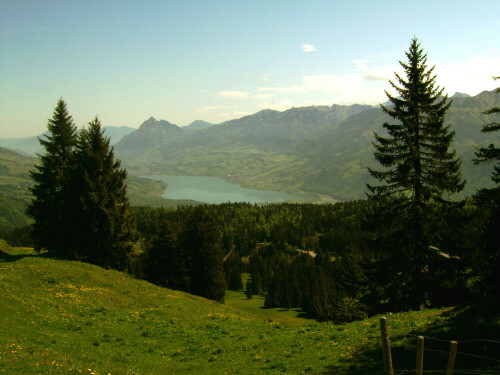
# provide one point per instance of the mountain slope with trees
(337, 158)
(322, 150)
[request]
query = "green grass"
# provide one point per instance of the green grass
(255, 306)
(67, 317)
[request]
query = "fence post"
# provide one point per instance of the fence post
(420, 355)
(386, 346)
(451, 358)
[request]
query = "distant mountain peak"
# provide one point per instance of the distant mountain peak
(154, 124)
(460, 95)
(199, 124)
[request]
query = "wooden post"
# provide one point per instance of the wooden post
(386, 346)
(420, 355)
(451, 358)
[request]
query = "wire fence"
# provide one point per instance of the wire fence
(490, 363)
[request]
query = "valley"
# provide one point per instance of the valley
(309, 150)
(249, 187)
(317, 150)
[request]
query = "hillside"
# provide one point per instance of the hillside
(63, 316)
(15, 195)
(321, 150)
(198, 124)
(258, 144)
(150, 134)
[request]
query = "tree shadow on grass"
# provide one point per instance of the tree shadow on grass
(476, 328)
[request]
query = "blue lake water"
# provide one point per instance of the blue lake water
(216, 190)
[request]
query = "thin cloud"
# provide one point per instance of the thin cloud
(210, 108)
(342, 89)
(471, 76)
(262, 96)
(265, 77)
(361, 61)
(234, 94)
(308, 48)
(277, 106)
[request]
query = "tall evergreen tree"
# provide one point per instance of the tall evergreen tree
(490, 199)
(201, 243)
(419, 170)
(491, 153)
(102, 226)
(166, 265)
(51, 181)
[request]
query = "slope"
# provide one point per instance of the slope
(338, 157)
(321, 150)
(15, 182)
(251, 150)
(61, 316)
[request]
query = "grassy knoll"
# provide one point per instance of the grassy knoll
(64, 317)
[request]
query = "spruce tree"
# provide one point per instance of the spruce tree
(165, 263)
(201, 243)
(102, 226)
(491, 153)
(419, 169)
(50, 189)
(489, 198)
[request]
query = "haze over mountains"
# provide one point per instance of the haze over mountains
(30, 146)
(318, 149)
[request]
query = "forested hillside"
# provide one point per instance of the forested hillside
(62, 316)
(338, 157)
(15, 182)
(321, 150)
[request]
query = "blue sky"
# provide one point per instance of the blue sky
(217, 60)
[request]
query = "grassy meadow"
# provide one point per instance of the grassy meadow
(67, 317)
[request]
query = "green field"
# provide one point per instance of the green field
(67, 317)
(255, 306)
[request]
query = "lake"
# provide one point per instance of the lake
(216, 190)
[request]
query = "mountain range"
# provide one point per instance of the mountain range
(318, 149)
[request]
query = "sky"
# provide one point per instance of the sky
(180, 61)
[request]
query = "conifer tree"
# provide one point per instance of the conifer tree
(165, 263)
(232, 270)
(419, 169)
(102, 226)
(491, 153)
(490, 199)
(201, 243)
(48, 207)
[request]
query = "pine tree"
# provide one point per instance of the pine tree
(49, 203)
(490, 199)
(164, 263)
(491, 153)
(419, 170)
(232, 269)
(102, 226)
(201, 243)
